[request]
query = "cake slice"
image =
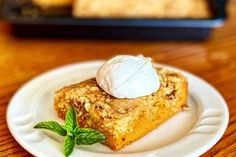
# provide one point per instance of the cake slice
(123, 121)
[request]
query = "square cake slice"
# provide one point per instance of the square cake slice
(123, 121)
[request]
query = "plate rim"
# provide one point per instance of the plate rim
(198, 151)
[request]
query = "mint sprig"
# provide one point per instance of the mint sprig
(72, 132)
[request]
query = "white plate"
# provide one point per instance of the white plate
(188, 133)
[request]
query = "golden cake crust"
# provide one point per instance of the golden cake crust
(123, 120)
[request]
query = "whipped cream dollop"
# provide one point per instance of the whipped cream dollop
(128, 76)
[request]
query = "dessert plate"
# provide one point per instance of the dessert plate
(189, 133)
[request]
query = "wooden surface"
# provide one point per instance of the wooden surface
(213, 60)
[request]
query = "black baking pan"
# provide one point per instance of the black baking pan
(27, 20)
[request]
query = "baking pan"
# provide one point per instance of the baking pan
(27, 21)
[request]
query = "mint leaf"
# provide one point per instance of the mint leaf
(70, 119)
(69, 144)
(52, 126)
(87, 136)
(74, 134)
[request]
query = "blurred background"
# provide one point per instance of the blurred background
(117, 19)
(196, 35)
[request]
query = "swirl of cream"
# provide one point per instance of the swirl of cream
(128, 76)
